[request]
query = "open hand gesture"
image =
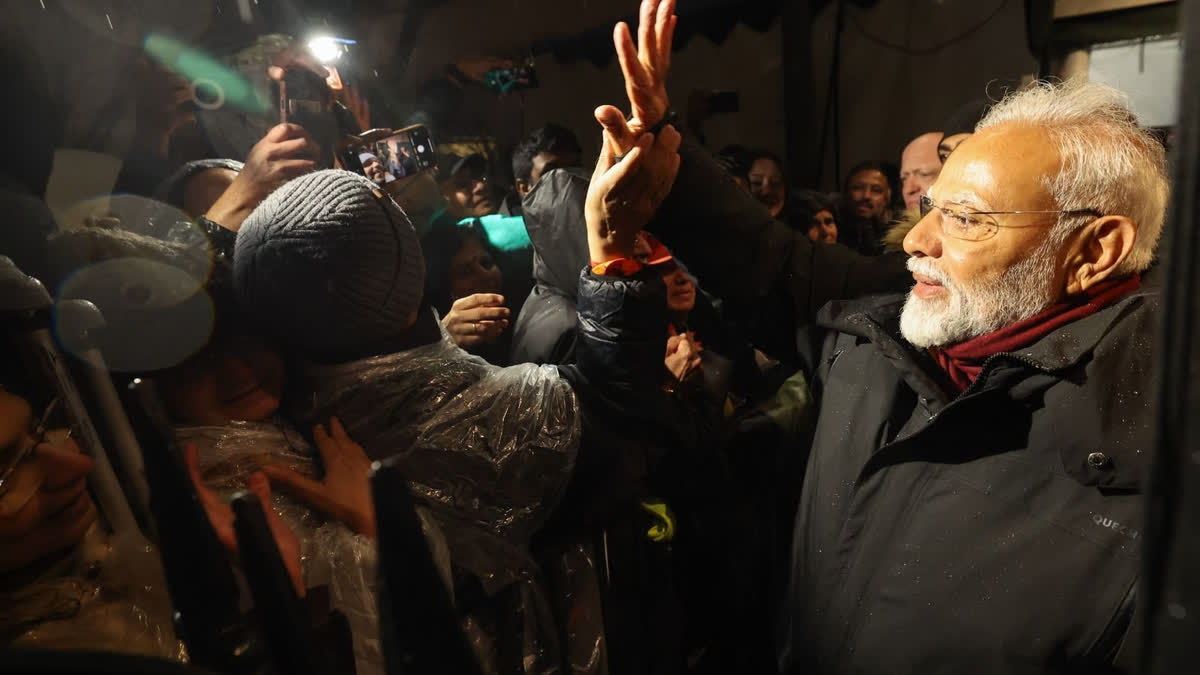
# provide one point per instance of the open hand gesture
(626, 192)
(285, 152)
(645, 68)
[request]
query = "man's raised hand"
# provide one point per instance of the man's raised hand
(645, 68)
(625, 193)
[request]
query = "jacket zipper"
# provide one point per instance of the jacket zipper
(1108, 646)
(974, 388)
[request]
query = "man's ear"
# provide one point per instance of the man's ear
(523, 188)
(1097, 250)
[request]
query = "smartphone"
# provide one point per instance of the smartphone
(404, 152)
(304, 99)
(724, 102)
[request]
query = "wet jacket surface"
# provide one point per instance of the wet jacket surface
(545, 331)
(996, 531)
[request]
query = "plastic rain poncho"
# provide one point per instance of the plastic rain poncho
(330, 553)
(91, 597)
(488, 450)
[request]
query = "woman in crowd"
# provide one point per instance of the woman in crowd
(464, 283)
(817, 212)
(721, 360)
(767, 183)
(720, 506)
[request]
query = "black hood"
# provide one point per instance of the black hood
(557, 229)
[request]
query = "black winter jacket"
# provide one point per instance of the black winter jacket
(996, 531)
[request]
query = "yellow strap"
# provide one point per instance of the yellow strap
(664, 527)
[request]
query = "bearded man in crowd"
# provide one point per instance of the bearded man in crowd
(973, 493)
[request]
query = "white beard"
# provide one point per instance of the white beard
(976, 309)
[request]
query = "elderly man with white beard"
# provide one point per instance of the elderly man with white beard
(972, 495)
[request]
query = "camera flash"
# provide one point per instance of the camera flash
(325, 49)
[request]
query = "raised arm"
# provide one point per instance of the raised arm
(728, 239)
(622, 306)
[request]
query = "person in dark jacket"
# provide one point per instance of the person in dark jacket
(770, 277)
(551, 146)
(972, 497)
(545, 329)
(983, 455)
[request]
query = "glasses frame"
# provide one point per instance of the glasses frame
(927, 206)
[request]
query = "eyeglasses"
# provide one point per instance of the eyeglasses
(37, 436)
(979, 225)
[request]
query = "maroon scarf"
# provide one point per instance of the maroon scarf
(964, 361)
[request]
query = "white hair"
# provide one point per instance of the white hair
(1110, 164)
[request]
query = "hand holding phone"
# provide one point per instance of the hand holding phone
(287, 151)
(306, 100)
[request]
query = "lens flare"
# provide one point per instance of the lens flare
(206, 73)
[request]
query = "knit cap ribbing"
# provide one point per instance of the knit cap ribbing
(327, 262)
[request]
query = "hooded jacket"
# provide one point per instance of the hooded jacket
(993, 531)
(545, 329)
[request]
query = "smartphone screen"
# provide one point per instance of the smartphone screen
(304, 99)
(406, 152)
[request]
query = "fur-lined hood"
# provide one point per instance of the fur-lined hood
(893, 239)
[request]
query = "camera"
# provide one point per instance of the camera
(504, 80)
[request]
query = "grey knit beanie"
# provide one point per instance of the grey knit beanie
(329, 263)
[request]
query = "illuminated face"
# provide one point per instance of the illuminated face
(681, 290)
(373, 168)
(823, 227)
(969, 281)
(470, 195)
(766, 183)
(473, 270)
(919, 167)
(869, 194)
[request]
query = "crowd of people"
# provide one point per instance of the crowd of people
(669, 414)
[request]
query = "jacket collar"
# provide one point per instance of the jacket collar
(877, 319)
